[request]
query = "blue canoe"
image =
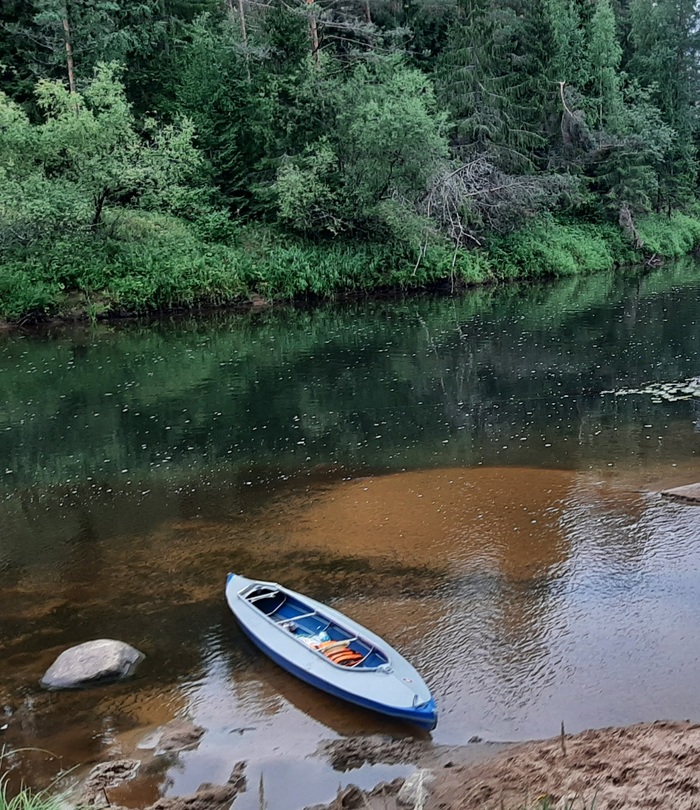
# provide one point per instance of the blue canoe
(329, 651)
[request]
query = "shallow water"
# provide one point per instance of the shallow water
(445, 470)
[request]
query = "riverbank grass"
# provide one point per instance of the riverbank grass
(670, 237)
(27, 799)
(144, 262)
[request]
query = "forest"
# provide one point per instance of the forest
(161, 154)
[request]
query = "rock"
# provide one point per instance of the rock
(207, 797)
(179, 735)
(107, 775)
(90, 663)
(354, 752)
(691, 492)
(415, 790)
(379, 798)
(350, 798)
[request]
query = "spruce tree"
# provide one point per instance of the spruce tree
(485, 91)
(604, 56)
(666, 46)
(569, 57)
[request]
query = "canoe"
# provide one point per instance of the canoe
(329, 651)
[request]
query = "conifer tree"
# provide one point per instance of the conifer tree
(74, 35)
(604, 56)
(537, 67)
(666, 40)
(569, 57)
(482, 87)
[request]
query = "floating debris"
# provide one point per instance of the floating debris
(660, 392)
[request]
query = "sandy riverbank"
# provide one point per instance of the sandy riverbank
(641, 766)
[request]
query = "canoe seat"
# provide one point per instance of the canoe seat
(260, 596)
(285, 619)
(340, 653)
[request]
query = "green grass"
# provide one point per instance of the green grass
(672, 236)
(548, 248)
(144, 262)
(27, 799)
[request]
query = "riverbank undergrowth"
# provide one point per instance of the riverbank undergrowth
(144, 262)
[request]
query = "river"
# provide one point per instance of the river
(445, 469)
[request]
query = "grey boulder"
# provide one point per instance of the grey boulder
(90, 663)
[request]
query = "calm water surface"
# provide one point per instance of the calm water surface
(443, 469)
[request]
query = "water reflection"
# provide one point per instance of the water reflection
(443, 470)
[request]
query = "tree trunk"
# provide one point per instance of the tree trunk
(99, 201)
(368, 13)
(69, 49)
(628, 228)
(313, 32)
(244, 30)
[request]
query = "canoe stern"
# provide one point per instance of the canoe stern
(425, 715)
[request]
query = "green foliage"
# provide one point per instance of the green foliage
(672, 236)
(390, 134)
(666, 46)
(136, 186)
(493, 80)
(16, 77)
(625, 164)
(24, 293)
(375, 164)
(233, 119)
(94, 30)
(569, 63)
(144, 262)
(304, 192)
(58, 176)
(550, 248)
(27, 799)
(141, 262)
(604, 55)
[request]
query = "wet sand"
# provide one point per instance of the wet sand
(643, 766)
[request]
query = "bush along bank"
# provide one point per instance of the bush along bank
(147, 263)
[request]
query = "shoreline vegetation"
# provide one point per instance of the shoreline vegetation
(151, 263)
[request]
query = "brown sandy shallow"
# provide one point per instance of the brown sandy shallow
(643, 766)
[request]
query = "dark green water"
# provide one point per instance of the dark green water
(539, 579)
